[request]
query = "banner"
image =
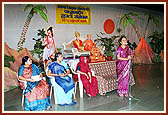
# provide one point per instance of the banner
(73, 14)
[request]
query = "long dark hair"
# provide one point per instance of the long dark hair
(24, 59)
(51, 29)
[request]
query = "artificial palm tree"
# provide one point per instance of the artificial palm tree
(126, 18)
(154, 19)
(34, 10)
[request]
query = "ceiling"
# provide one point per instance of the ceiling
(155, 7)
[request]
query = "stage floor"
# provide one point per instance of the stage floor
(148, 93)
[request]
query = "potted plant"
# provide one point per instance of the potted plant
(157, 44)
(108, 44)
(38, 48)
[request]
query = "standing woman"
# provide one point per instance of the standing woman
(48, 50)
(37, 90)
(124, 56)
(89, 81)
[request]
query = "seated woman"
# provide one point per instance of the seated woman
(37, 90)
(78, 43)
(89, 82)
(64, 86)
(95, 54)
(88, 43)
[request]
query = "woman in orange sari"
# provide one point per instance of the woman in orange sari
(78, 43)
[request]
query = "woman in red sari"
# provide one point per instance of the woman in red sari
(89, 81)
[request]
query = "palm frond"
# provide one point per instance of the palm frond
(133, 13)
(28, 6)
(125, 22)
(43, 15)
(130, 20)
(155, 20)
(42, 7)
(35, 10)
(121, 19)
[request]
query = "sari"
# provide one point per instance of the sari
(91, 88)
(36, 93)
(64, 86)
(123, 70)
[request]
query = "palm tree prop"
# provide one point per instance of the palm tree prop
(34, 10)
(154, 19)
(126, 18)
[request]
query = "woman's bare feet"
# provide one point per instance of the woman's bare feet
(48, 108)
(126, 95)
(121, 95)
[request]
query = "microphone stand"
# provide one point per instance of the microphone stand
(131, 62)
(130, 97)
(129, 88)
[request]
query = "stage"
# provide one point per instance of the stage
(148, 88)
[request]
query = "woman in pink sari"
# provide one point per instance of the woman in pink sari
(89, 82)
(124, 56)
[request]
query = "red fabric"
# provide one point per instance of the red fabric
(39, 92)
(27, 73)
(22, 85)
(91, 88)
(101, 61)
(75, 43)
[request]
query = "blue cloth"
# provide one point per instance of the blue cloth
(35, 70)
(73, 103)
(65, 65)
(65, 82)
(37, 105)
(78, 68)
(30, 85)
(64, 86)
